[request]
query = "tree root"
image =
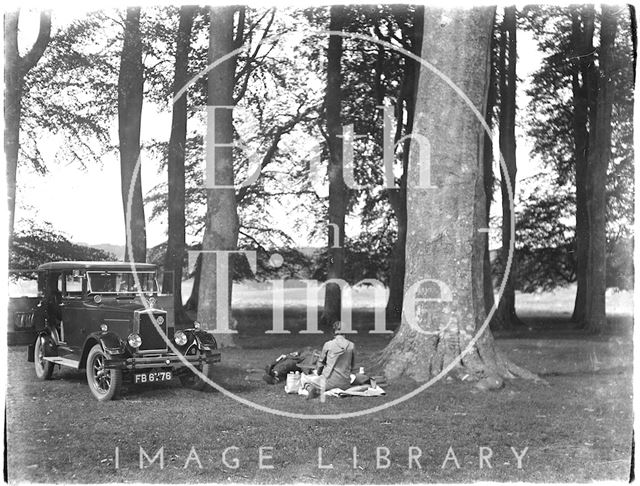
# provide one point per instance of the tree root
(421, 357)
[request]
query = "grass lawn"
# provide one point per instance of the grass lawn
(576, 428)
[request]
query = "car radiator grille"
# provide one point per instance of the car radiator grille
(151, 339)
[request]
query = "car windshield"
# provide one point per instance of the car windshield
(121, 282)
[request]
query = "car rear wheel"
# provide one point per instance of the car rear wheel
(44, 369)
(104, 383)
(193, 381)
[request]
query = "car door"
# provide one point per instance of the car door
(73, 327)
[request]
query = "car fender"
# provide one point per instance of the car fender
(109, 341)
(205, 339)
(47, 333)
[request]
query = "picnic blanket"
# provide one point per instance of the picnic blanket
(356, 391)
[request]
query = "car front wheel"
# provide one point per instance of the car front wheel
(44, 368)
(104, 383)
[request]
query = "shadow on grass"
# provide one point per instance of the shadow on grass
(609, 371)
(546, 325)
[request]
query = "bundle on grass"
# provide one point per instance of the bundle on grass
(277, 371)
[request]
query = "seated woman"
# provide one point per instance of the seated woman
(336, 363)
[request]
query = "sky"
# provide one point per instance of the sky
(86, 204)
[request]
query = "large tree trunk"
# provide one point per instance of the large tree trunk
(393, 310)
(222, 224)
(487, 160)
(192, 301)
(598, 161)
(174, 258)
(442, 238)
(130, 95)
(583, 86)
(634, 37)
(13, 86)
(398, 198)
(16, 68)
(506, 317)
(338, 194)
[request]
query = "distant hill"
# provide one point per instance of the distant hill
(117, 250)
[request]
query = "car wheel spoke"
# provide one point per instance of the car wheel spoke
(41, 352)
(102, 377)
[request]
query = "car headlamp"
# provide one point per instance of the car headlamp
(180, 338)
(134, 340)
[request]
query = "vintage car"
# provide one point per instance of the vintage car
(105, 318)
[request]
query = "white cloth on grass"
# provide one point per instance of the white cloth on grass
(356, 391)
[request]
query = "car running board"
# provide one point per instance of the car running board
(72, 363)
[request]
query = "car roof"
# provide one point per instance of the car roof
(75, 265)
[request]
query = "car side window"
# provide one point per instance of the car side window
(73, 285)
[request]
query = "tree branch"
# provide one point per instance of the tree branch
(32, 57)
(11, 20)
(273, 147)
(247, 235)
(239, 39)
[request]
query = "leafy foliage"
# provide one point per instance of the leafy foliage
(279, 90)
(70, 94)
(545, 242)
(545, 230)
(549, 118)
(42, 244)
(275, 121)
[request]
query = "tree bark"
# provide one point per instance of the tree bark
(506, 317)
(598, 162)
(130, 96)
(338, 194)
(487, 159)
(634, 37)
(397, 264)
(174, 258)
(222, 223)
(16, 68)
(442, 238)
(583, 73)
(398, 197)
(192, 301)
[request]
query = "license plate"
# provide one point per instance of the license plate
(152, 377)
